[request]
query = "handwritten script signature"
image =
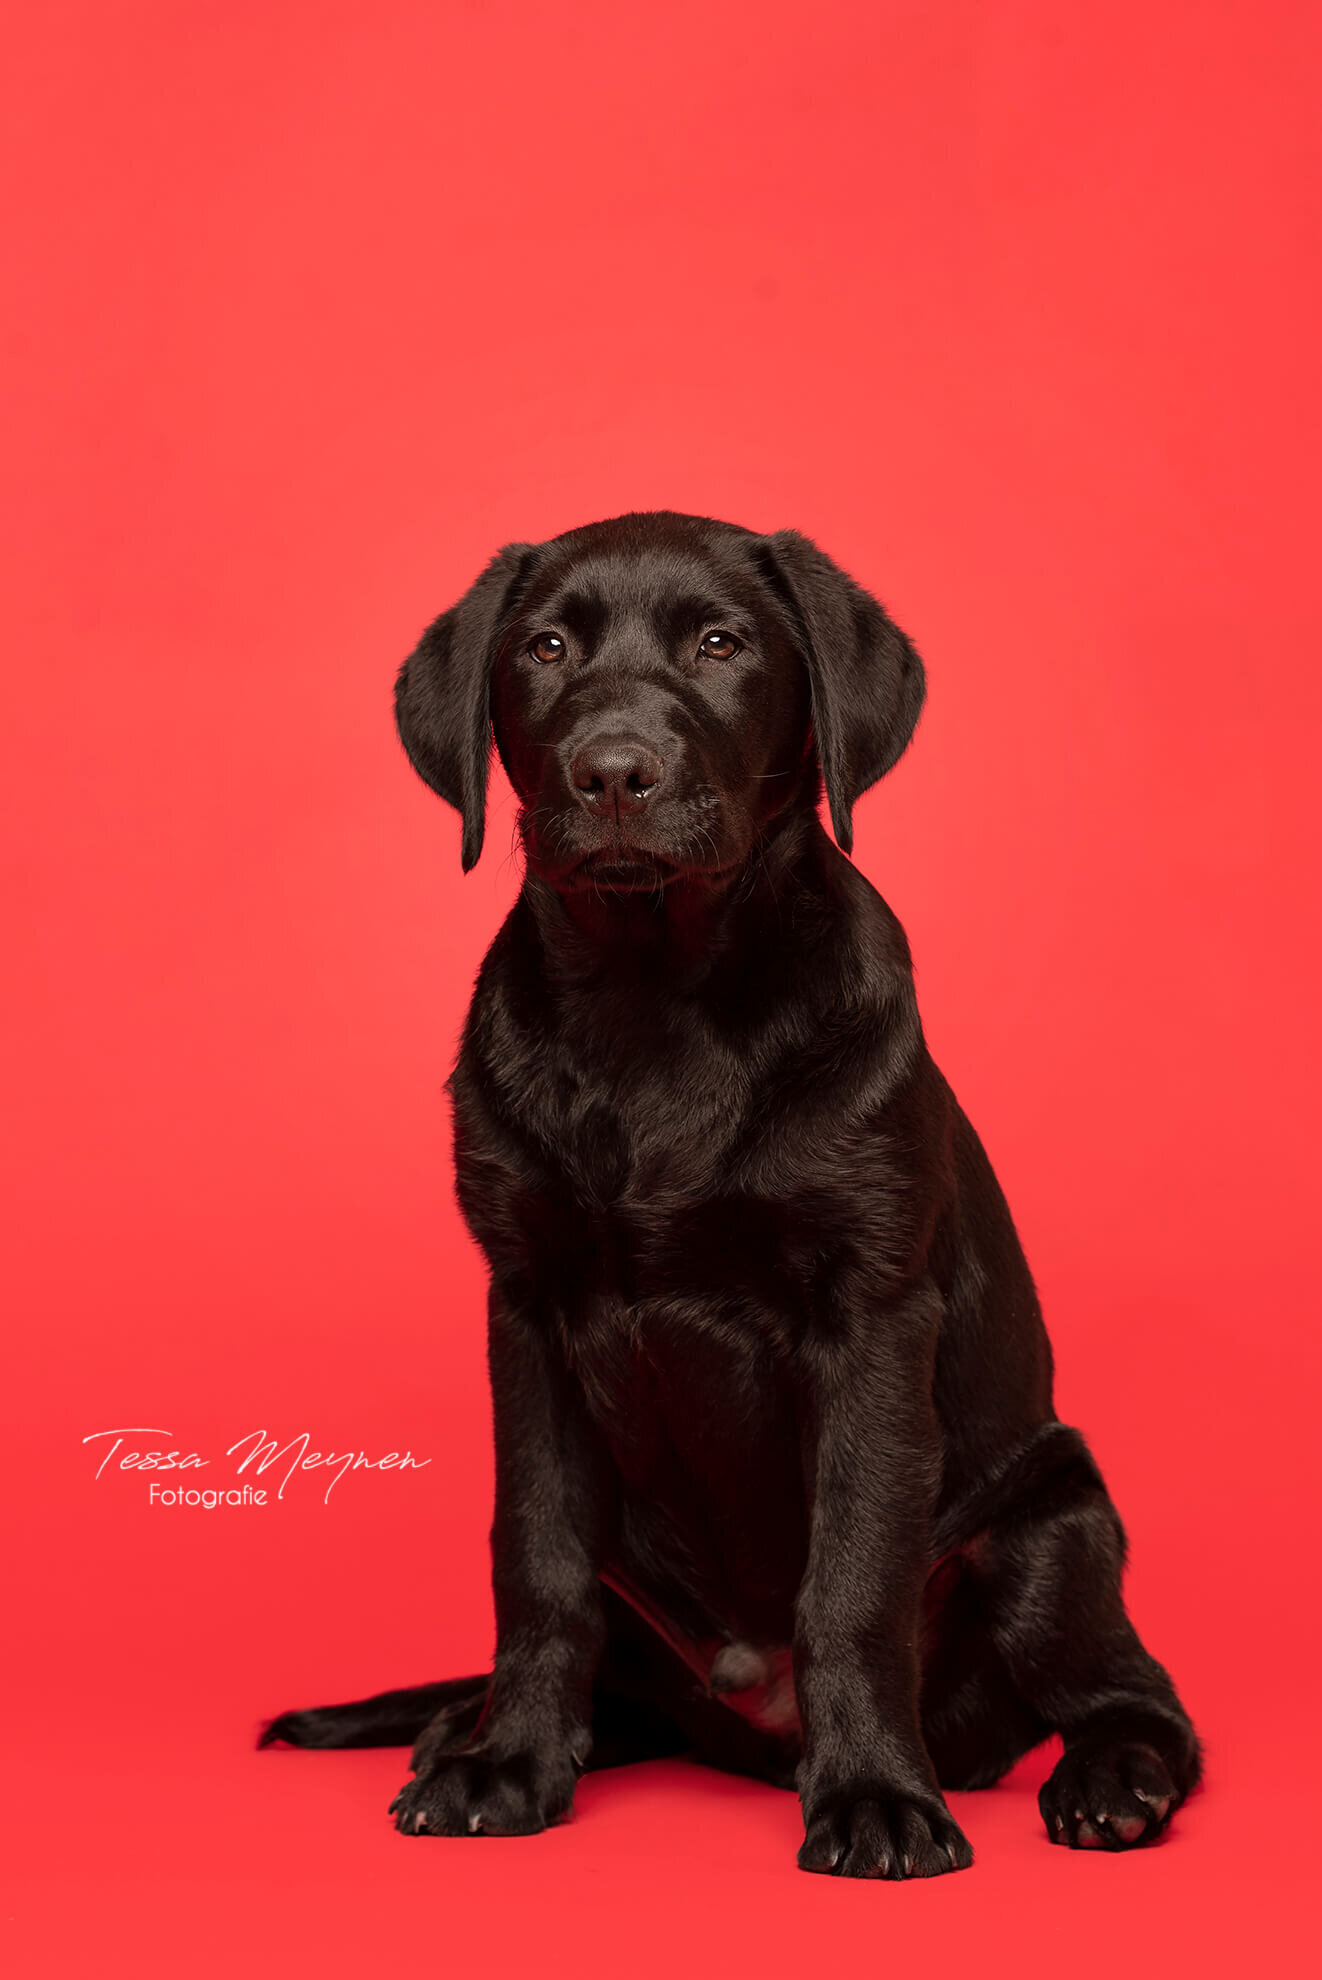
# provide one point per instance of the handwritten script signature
(260, 1451)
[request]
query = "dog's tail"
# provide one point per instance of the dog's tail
(391, 1718)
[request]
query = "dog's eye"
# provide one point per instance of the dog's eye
(547, 647)
(719, 646)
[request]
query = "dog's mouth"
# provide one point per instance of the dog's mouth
(620, 865)
(623, 870)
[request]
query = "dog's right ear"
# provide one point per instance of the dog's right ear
(443, 693)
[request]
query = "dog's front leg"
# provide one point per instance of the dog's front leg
(871, 1804)
(516, 1774)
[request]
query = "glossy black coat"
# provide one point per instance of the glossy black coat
(779, 1480)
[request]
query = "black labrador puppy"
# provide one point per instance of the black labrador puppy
(778, 1478)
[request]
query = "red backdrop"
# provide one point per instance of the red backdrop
(1010, 308)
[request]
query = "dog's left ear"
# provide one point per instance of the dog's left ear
(443, 692)
(868, 683)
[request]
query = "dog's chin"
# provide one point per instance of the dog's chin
(627, 870)
(623, 870)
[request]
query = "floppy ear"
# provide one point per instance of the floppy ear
(868, 683)
(442, 695)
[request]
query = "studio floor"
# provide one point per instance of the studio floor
(196, 1857)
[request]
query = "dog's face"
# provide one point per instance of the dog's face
(651, 710)
(662, 688)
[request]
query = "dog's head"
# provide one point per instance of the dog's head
(662, 688)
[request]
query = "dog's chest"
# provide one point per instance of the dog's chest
(666, 1137)
(683, 1313)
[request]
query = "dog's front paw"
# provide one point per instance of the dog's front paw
(871, 1831)
(477, 1794)
(1108, 1794)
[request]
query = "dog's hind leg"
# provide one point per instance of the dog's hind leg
(1047, 1576)
(975, 1724)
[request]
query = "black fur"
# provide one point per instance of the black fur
(779, 1481)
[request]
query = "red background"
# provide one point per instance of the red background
(1009, 306)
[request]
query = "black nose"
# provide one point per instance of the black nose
(614, 774)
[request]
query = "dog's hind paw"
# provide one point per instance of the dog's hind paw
(1108, 1794)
